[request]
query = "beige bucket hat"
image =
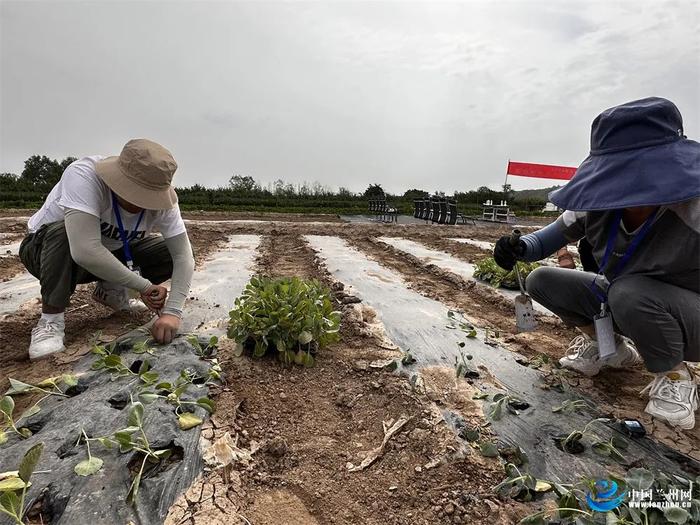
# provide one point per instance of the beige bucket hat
(142, 174)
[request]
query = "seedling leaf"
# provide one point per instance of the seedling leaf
(69, 380)
(88, 466)
(7, 406)
(639, 478)
(136, 415)
(11, 502)
(187, 420)
(19, 387)
(488, 449)
(207, 404)
(13, 483)
(29, 461)
(676, 515)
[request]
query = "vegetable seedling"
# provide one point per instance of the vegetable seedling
(92, 464)
(14, 485)
(112, 363)
(512, 403)
(173, 393)
(463, 367)
(203, 351)
(292, 315)
(133, 438)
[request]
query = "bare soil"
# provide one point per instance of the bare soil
(311, 422)
(308, 423)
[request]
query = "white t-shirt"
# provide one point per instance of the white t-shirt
(80, 188)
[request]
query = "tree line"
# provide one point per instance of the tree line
(243, 192)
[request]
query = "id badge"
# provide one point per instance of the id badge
(134, 294)
(605, 334)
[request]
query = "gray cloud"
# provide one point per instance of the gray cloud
(431, 95)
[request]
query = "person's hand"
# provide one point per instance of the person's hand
(565, 259)
(165, 328)
(154, 297)
(505, 253)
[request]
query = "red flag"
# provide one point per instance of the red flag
(542, 171)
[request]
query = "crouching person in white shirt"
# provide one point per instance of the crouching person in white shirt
(95, 226)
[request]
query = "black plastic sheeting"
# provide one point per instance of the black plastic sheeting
(418, 324)
(100, 406)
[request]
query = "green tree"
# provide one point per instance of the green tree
(414, 194)
(374, 190)
(243, 184)
(42, 172)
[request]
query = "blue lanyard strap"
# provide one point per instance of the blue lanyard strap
(122, 233)
(634, 244)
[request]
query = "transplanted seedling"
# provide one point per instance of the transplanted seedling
(521, 487)
(173, 393)
(133, 438)
(203, 351)
(463, 367)
(109, 361)
(570, 406)
(573, 442)
(48, 387)
(459, 323)
(14, 485)
(512, 404)
(92, 464)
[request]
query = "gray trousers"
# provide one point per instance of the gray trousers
(46, 255)
(663, 320)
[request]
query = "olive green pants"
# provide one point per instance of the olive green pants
(46, 255)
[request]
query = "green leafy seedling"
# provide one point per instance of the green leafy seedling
(463, 367)
(292, 315)
(143, 347)
(202, 351)
(110, 362)
(488, 270)
(133, 438)
(92, 464)
(511, 403)
(173, 393)
(14, 486)
(7, 408)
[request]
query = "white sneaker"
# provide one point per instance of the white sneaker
(47, 339)
(673, 397)
(116, 297)
(583, 357)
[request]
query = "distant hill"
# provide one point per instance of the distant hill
(538, 194)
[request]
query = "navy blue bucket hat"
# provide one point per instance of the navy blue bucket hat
(639, 157)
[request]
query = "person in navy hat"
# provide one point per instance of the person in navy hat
(636, 200)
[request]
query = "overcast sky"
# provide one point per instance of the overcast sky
(430, 95)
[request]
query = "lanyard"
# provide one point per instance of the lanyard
(122, 233)
(612, 235)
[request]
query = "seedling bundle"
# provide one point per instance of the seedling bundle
(487, 270)
(291, 316)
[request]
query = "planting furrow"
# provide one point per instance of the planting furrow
(449, 263)
(419, 324)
